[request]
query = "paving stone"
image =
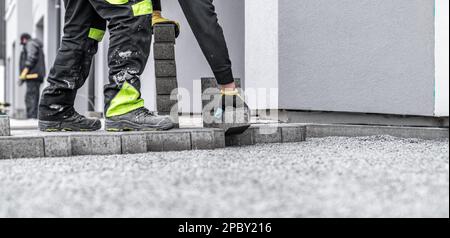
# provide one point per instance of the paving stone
(134, 143)
(21, 147)
(203, 139)
(293, 133)
(169, 141)
(219, 139)
(164, 51)
(244, 139)
(57, 146)
(165, 104)
(96, 144)
(4, 126)
(166, 86)
(165, 68)
(164, 33)
(267, 134)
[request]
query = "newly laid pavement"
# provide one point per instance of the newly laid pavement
(323, 177)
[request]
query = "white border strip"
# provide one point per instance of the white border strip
(261, 53)
(442, 58)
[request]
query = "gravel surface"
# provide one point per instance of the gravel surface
(329, 177)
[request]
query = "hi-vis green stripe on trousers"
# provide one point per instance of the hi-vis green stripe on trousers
(130, 38)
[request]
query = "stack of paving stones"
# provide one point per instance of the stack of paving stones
(166, 71)
(4, 126)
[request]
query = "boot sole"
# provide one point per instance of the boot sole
(54, 126)
(122, 126)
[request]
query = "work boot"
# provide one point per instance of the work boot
(231, 113)
(139, 120)
(75, 122)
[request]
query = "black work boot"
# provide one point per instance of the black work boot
(231, 113)
(74, 122)
(139, 120)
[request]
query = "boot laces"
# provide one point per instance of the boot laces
(144, 112)
(78, 117)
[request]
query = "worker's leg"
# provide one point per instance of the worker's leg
(230, 112)
(156, 5)
(32, 98)
(203, 20)
(129, 24)
(82, 30)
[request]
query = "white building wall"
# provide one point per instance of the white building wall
(16, 24)
(2, 81)
(442, 58)
(261, 53)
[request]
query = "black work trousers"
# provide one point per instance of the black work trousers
(32, 98)
(203, 20)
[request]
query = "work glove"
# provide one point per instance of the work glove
(157, 18)
(23, 75)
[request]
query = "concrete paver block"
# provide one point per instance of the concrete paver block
(165, 68)
(166, 86)
(57, 146)
(165, 104)
(268, 134)
(203, 140)
(164, 33)
(169, 141)
(21, 147)
(4, 126)
(244, 139)
(294, 133)
(219, 139)
(164, 51)
(96, 144)
(134, 143)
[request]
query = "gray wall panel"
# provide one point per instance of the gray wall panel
(357, 56)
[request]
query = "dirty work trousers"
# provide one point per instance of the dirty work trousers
(129, 24)
(32, 98)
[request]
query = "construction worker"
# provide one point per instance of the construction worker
(203, 20)
(129, 24)
(32, 68)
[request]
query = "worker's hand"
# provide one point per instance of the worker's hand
(23, 75)
(159, 19)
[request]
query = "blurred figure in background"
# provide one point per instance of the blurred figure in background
(32, 68)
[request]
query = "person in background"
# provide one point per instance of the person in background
(32, 72)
